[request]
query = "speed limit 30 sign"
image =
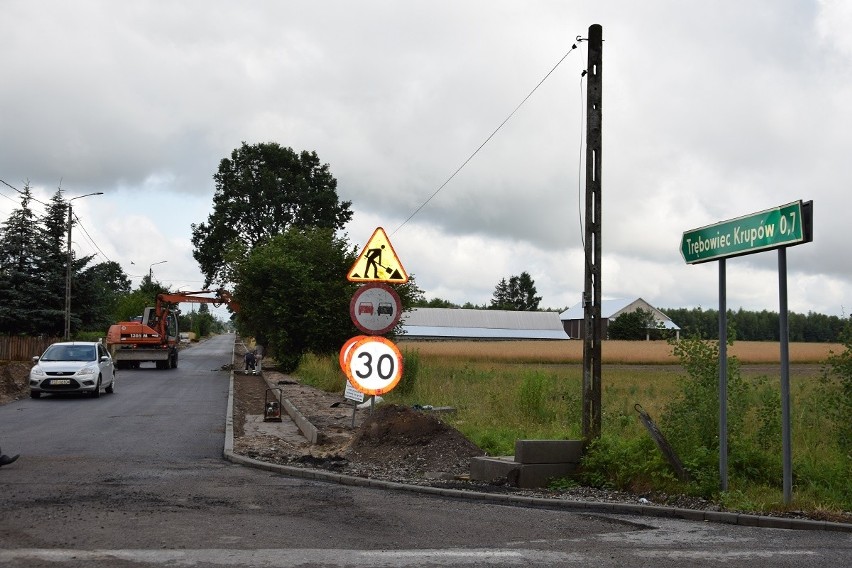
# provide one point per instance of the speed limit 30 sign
(373, 365)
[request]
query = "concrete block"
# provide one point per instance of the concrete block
(526, 476)
(491, 468)
(548, 451)
(541, 474)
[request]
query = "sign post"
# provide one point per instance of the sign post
(776, 228)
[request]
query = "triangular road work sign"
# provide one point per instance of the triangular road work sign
(378, 262)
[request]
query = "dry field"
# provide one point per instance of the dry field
(614, 352)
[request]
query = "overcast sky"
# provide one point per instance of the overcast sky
(711, 110)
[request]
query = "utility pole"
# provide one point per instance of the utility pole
(593, 327)
(68, 269)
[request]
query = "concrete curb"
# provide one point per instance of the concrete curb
(521, 501)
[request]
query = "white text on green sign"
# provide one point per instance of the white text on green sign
(773, 228)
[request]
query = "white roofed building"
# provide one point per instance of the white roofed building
(460, 323)
(574, 317)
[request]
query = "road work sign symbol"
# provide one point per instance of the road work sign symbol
(378, 262)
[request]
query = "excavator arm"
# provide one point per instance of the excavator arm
(220, 297)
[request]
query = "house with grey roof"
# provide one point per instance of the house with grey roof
(573, 318)
(459, 323)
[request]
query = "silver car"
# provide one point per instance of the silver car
(77, 366)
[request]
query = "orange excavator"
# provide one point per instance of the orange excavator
(154, 336)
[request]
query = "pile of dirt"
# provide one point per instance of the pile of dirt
(414, 441)
(13, 380)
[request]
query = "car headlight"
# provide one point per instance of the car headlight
(36, 372)
(89, 369)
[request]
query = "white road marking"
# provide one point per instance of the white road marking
(287, 558)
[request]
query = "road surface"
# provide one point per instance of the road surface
(137, 478)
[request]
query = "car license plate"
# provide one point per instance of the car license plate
(60, 382)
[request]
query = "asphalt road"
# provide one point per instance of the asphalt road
(137, 478)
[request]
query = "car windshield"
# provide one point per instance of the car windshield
(70, 353)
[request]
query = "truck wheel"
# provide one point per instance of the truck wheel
(175, 360)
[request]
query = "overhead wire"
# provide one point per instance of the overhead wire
(91, 240)
(79, 223)
(490, 136)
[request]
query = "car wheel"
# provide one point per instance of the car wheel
(111, 387)
(97, 392)
(35, 394)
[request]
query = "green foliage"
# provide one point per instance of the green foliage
(434, 303)
(836, 390)
(518, 294)
(293, 296)
(90, 335)
(132, 304)
(532, 397)
(489, 399)
(262, 191)
(758, 326)
(767, 416)
(34, 274)
(632, 326)
(562, 484)
(410, 372)
(496, 440)
(322, 372)
(691, 421)
(625, 464)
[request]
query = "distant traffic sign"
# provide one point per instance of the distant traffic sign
(785, 225)
(378, 262)
(373, 365)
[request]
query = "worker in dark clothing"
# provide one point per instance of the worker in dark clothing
(251, 361)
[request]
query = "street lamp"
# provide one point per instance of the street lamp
(68, 273)
(151, 272)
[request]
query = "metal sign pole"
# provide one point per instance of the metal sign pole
(723, 378)
(785, 376)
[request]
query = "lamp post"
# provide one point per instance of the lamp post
(151, 272)
(68, 273)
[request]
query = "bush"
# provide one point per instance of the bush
(624, 464)
(836, 391)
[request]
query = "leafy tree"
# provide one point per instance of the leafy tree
(132, 304)
(262, 191)
(632, 326)
(98, 291)
(293, 294)
(518, 294)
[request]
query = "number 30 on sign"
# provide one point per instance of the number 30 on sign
(373, 365)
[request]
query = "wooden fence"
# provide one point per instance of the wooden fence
(20, 348)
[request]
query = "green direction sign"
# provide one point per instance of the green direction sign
(785, 225)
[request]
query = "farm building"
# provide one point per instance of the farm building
(453, 323)
(573, 317)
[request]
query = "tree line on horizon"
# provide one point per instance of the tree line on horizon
(518, 293)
